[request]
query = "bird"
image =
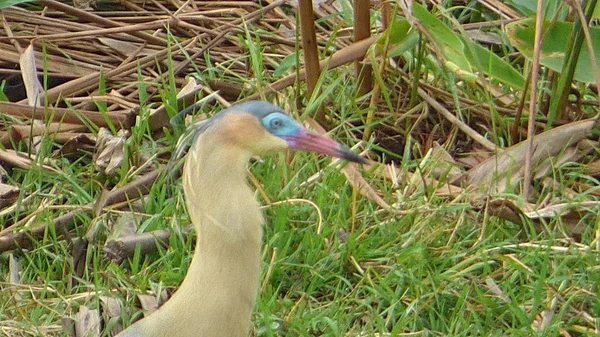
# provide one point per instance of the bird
(219, 291)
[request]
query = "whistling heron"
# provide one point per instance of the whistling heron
(217, 296)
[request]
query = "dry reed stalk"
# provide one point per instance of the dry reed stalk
(362, 30)
(311, 54)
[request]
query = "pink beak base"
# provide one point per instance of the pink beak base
(309, 141)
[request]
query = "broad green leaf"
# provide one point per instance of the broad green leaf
(492, 65)
(9, 3)
(555, 35)
(285, 65)
(525, 7)
(464, 57)
(401, 38)
(551, 7)
(448, 43)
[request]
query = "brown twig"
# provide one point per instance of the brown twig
(362, 30)
(25, 239)
(91, 17)
(124, 247)
(535, 66)
(343, 56)
(311, 54)
(455, 121)
(81, 117)
(66, 222)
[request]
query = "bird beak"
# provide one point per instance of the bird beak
(308, 141)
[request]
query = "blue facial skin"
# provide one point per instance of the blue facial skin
(281, 125)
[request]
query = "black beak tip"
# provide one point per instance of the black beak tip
(358, 159)
(353, 157)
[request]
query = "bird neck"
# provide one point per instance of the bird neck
(218, 294)
(219, 291)
(220, 202)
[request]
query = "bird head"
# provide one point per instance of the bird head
(262, 128)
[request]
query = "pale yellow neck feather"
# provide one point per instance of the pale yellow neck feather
(218, 293)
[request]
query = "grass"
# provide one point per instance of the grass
(425, 272)
(439, 267)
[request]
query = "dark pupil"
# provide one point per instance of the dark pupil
(276, 123)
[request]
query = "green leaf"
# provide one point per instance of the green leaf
(552, 8)
(285, 65)
(400, 38)
(555, 36)
(492, 65)
(448, 43)
(464, 57)
(9, 3)
(3, 97)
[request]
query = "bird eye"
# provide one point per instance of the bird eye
(276, 123)
(279, 124)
